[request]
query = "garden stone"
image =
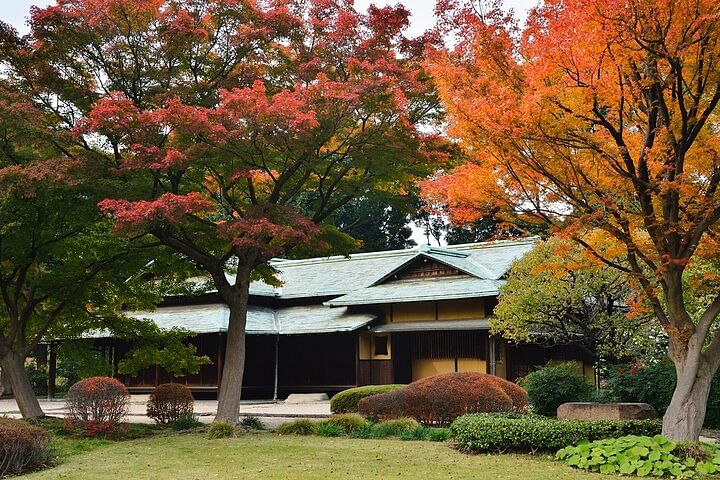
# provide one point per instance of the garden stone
(605, 411)
(307, 398)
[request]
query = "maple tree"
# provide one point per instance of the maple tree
(600, 118)
(238, 127)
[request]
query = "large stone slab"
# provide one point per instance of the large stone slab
(307, 398)
(605, 411)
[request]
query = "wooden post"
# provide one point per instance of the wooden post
(491, 353)
(357, 360)
(52, 371)
(219, 362)
(277, 366)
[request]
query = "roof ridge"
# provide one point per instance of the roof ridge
(447, 249)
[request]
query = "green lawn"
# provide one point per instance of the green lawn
(269, 456)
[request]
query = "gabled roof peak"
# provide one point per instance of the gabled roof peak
(442, 251)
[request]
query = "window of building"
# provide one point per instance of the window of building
(381, 345)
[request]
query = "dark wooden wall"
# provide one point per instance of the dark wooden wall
(317, 363)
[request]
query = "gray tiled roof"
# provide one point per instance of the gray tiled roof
(353, 280)
(210, 318)
(419, 290)
(340, 275)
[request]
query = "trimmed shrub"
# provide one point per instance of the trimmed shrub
(553, 385)
(440, 399)
(483, 432)
(170, 401)
(23, 447)
(637, 455)
(384, 406)
(221, 430)
(347, 400)
(96, 405)
(298, 427)
(252, 422)
(349, 422)
(188, 421)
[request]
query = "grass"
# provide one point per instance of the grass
(273, 457)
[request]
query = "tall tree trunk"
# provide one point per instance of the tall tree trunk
(685, 415)
(234, 366)
(14, 366)
(5, 387)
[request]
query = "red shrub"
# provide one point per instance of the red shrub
(96, 404)
(440, 399)
(170, 401)
(383, 406)
(23, 447)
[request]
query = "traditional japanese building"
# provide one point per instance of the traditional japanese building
(369, 318)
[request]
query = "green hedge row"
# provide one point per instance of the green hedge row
(531, 433)
(347, 400)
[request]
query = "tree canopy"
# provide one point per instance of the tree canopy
(554, 294)
(237, 127)
(599, 118)
(62, 273)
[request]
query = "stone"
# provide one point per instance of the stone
(605, 411)
(307, 398)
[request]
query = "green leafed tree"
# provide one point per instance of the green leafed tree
(378, 223)
(555, 294)
(62, 272)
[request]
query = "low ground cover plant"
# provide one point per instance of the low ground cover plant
(551, 386)
(96, 406)
(188, 421)
(477, 433)
(355, 426)
(347, 400)
(221, 430)
(251, 422)
(440, 399)
(641, 456)
(298, 427)
(328, 429)
(348, 423)
(170, 401)
(23, 447)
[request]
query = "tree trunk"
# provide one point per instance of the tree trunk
(234, 366)
(14, 366)
(5, 387)
(685, 415)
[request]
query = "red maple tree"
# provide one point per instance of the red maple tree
(239, 127)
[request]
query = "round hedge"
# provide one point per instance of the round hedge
(553, 385)
(440, 399)
(97, 401)
(23, 447)
(170, 401)
(347, 400)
